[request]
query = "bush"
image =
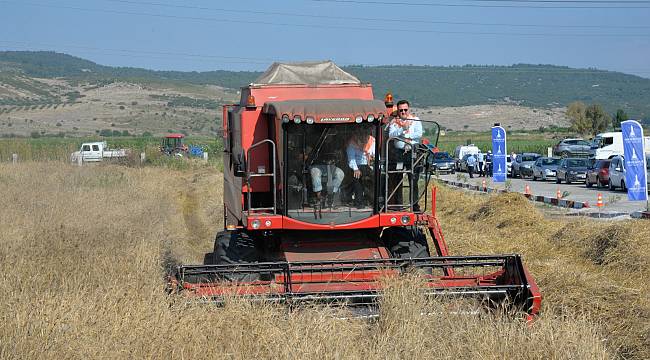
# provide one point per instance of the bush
(106, 132)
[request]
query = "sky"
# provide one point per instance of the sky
(206, 35)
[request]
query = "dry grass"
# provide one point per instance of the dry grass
(595, 268)
(83, 250)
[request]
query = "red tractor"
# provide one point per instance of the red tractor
(173, 145)
(302, 225)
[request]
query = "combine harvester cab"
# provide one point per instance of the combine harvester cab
(300, 225)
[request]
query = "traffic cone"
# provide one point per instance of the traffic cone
(527, 190)
(558, 195)
(484, 185)
(599, 202)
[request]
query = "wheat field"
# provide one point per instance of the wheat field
(84, 251)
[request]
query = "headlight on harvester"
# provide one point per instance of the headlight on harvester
(393, 220)
(267, 223)
(309, 120)
(285, 118)
(358, 119)
(256, 223)
(297, 119)
(405, 219)
(371, 118)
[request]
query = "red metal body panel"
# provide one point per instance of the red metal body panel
(372, 222)
(299, 251)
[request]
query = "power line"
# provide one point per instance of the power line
(522, 5)
(330, 26)
(410, 21)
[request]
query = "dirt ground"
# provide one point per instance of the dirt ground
(483, 117)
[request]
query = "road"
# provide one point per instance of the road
(614, 201)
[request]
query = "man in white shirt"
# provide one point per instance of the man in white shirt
(409, 127)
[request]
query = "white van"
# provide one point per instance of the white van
(610, 144)
(462, 150)
(606, 145)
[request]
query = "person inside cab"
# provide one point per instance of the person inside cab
(360, 152)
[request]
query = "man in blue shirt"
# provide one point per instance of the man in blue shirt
(471, 163)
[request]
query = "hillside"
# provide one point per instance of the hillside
(545, 86)
(61, 107)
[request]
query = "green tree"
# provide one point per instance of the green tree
(619, 117)
(588, 120)
(598, 117)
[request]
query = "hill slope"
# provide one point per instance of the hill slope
(528, 85)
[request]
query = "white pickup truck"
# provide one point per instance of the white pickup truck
(97, 151)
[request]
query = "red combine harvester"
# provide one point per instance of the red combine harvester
(301, 225)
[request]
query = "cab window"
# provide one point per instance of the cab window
(95, 147)
(86, 148)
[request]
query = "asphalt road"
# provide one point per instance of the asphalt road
(614, 201)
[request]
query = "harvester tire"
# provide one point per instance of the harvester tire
(232, 248)
(406, 243)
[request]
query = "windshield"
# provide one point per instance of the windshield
(578, 163)
(529, 158)
(330, 172)
(550, 161)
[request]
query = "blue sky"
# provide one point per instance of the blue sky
(249, 35)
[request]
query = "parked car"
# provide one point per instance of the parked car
(572, 170)
(523, 164)
(508, 164)
(545, 168)
(617, 173)
(572, 148)
(442, 162)
(598, 174)
(461, 151)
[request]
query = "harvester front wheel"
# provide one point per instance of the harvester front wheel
(406, 243)
(233, 247)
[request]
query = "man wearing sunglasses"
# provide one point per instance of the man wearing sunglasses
(408, 127)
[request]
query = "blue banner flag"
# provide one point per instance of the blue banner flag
(499, 153)
(635, 161)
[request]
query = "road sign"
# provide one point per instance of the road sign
(499, 153)
(635, 161)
